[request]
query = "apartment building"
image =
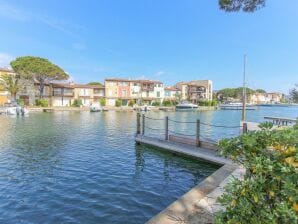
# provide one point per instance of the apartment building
(266, 98)
(172, 93)
(147, 91)
(196, 90)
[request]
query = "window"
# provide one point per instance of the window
(123, 92)
(158, 94)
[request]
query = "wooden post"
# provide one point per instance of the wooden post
(143, 125)
(167, 128)
(198, 143)
(244, 130)
(138, 123)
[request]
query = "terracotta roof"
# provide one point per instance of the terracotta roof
(132, 80)
(171, 88)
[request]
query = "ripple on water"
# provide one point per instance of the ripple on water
(86, 168)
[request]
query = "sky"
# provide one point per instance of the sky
(168, 40)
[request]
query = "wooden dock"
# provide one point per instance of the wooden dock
(281, 121)
(206, 154)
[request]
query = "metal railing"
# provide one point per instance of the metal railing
(144, 124)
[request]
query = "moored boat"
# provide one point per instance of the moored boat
(96, 108)
(184, 105)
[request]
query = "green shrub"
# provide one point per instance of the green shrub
(118, 103)
(77, 103)
(102, 101)
(156, 104)
(167, 103)
(269, 191)
(131, 103)
(20, 102)
(207, 103)
(42, 102)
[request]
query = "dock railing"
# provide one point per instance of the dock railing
(165, 132)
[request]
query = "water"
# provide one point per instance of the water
(229, 118)
(70, 167)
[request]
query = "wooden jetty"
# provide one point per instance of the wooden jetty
(281, 121)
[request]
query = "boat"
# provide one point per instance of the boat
(185, 105)
(15, 109)
(145, 108)
(236, 106)
(96, 108)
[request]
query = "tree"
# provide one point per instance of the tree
(244, 5)
(260, 91)
(10, 83)
(95, 83)
(294, 94)
(39, 70)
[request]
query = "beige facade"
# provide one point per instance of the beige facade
(172, 93)
(5, 95)
(196, 90)
(266, 98)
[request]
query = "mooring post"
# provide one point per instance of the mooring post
(198, 143)
(167, 128)
(244, 127)
(138, 123)
(143, 125)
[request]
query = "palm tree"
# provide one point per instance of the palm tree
(11, 84)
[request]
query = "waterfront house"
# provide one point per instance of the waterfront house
(5, 95)
(266, 98)
(172, 93)
(196, 90)
(147, 91)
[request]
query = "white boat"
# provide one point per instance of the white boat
(186, 105)
(145, 108)
(16, 110)
(236, 106)
(96, 108)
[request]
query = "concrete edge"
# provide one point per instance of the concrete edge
(184, 206)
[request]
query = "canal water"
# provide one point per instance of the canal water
(72, 167)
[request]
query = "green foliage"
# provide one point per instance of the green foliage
(167, 103)
(11, 84)
(95, 83)
(234, 92)
(269, 191)
(244, 5)
(102, 101)
(38, 69)
(42, 103)
(77, 103)
(20, 102)
(208, 103)
(156, 103)
(131, 103)
(260, 91)
(294, 94)
(118, 103)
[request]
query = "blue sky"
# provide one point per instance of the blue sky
(169, 40)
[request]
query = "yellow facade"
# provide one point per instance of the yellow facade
(4, 95)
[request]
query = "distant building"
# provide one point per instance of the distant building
(147, 91)
(5, 95)
(266, 98)
(196, 91)
(172, 93)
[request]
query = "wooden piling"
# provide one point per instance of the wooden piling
(138, 123)
(143, 124)
(198, 143)
(167, 128)
(244, 130)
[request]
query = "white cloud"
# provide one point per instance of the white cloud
(12, 12)
(5, 59)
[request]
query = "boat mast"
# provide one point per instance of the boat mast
(244, 90)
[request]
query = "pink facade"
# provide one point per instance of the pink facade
(123, 89)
